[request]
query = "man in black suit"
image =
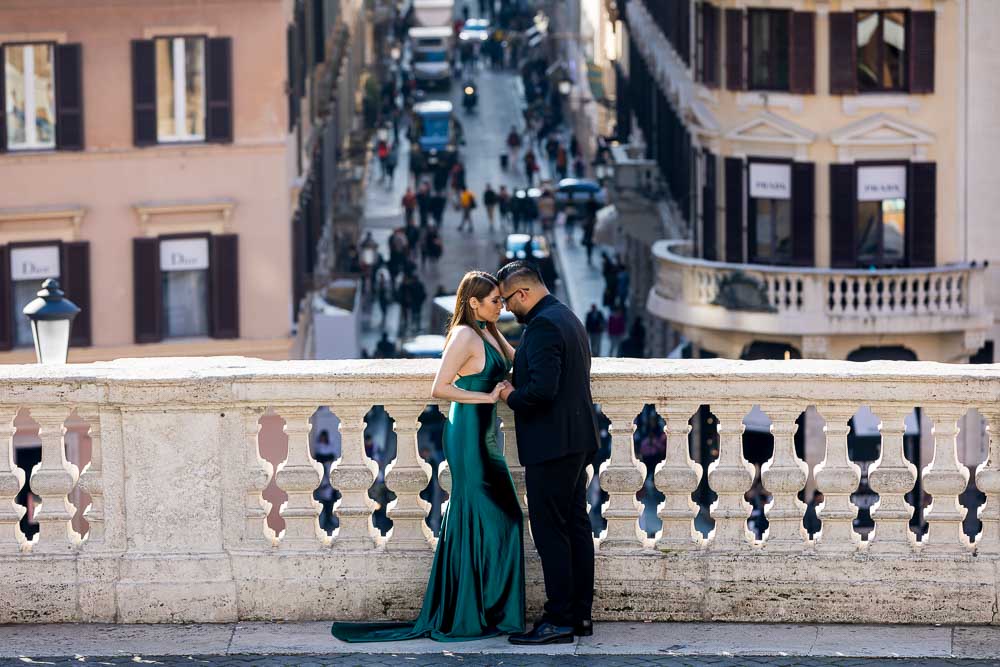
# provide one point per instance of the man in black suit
(557, 437)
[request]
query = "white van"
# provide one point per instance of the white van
(431, 56)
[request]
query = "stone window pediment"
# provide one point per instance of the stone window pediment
(770, 128)
(185, 216)
(880, 130)
(35, 222)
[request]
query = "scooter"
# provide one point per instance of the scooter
(470, 96)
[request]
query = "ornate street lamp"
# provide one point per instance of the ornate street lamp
(51, 315)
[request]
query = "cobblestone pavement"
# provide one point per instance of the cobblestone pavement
(496, 660)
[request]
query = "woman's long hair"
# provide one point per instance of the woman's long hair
(476, 284)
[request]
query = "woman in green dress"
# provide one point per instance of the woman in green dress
(476, 584)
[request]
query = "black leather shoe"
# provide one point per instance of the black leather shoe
(584, 628)
(544, 633)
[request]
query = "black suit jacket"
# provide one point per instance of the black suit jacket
(551, 401)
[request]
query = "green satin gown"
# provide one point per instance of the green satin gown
(476, 585)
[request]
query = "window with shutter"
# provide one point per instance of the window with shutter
(709, 240)
(319, 31)
(843, 208)
(711, 45)
(147, 290)
(28, 99)
(882, 45)
(143, 92)
(225, 287)
(76, 284)
(734, 210)
(69, 97)
(803, 213)
(768, 49)
(922, 52)
(293, 97)
(219, 117)
(802, 79)
(843, 56)
(6, 292)
(922, 208)
(734, 49)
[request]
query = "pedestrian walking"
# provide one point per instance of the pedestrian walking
(579, 167)
(418, 295)
(412, 238)
(503, 201)
(516, 208)
(409, 202)
(368, 259)
(432, 246)
(382, 152)
(513, 145)
(588, 237)
(458, 181)
(616, 331)
(437, 206)
(551, 151)
(530, 167)
(390, 164)
(467, 201)
(595, 324)
(383, 290)
(490, 200)
(385, 349)
(574, 147)
(423, 203)
(562, 162)
(547, 212)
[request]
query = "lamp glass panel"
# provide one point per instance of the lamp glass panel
(51, 340)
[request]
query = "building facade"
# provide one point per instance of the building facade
(827, 159)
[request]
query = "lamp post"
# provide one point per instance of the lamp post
(51, 315)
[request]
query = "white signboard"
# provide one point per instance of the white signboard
(35, 263)
(184, 254)
(878, 183)
(770, 181)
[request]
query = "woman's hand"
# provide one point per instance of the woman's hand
(495, 394)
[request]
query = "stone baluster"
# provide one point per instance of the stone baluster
(945, 478)
(52, 480)
(892, 476)
(353, 474)
(515, 467)
(730, 477)
(298, 476)
(837, 477)
(11, 480)
(258, 475)
(622, 477)
(784, 476)
(91, 480)
(677, 477)
(988, 481)
(407, 475)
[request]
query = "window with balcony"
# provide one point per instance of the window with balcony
(769, 46)
(881, 40)
(41, 90)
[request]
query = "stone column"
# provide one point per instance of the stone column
(988, 481)
(298, 476)
(258, 474)
(353, 474)
(11, 481)
(677, 477)
(784, 476)
(515, 467)
(892, 476)
(731, 478)
(945, 478)
(837, 477)
(622, 477)
(51, 479)
(91, 480)
(407, 475)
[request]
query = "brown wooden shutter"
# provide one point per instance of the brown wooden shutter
(734, 210)
(6, 297)
(709, 236)
(69, 97)
(147, 290)
(920, 43)
(921, 209)
(76, 284)
(319, 31)
(225, 307)
(843, 212)
(143, 92)
(3, 95)
(734, 49)
(803, 213)
(802, 51)
(710, 45)
(843, 54)
(219, 89)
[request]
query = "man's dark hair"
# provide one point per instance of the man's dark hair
(520, 270)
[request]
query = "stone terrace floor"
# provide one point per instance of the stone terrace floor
(614, 644)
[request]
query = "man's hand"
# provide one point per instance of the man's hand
(505, 390)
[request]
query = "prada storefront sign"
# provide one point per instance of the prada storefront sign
(184, 254)
(770, 181)
(34, 263)
(878, 183)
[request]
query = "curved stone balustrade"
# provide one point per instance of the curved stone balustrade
(178, 526)
(809, 305)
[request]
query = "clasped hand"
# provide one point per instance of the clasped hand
(501, 391)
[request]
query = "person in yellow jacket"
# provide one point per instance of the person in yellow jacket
(467, 201)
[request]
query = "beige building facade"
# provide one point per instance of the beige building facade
(150, 162)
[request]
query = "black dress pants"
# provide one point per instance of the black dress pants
(557, 507)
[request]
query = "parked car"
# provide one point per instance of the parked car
(475, 30)
(516, 247)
